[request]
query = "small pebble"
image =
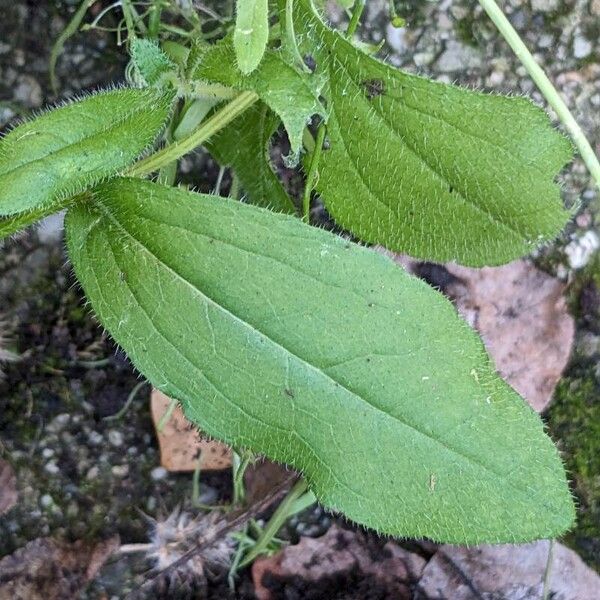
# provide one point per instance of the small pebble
(158, 474)
(52, 468)
(46, 501)
(120, 470)
(115, 438)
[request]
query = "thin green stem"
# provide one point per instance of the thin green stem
(166, 416)
(154, 20)
(548, 572)
(67, 32)
(128, 403)
(181, 147)
(313, 170)
(241, 463)
(355, 19)
(275, 523)
(545, 86)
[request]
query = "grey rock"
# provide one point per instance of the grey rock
(158, 474)
(28, 92)
(545, 5)
(457, 57)
(115, 438)
(582, 47)
(510, 572)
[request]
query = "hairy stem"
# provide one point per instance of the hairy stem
(545, 86)
(355, 19)
(312, 175)
(207, 129)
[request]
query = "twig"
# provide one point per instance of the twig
(229, 526)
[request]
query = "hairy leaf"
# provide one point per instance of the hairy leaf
(151, 62)
(290, 94)
(251, 33)
(429, 169)
(321, 354)
(244, 146)
(68, 149)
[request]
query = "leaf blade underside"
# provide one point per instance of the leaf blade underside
(321, 354)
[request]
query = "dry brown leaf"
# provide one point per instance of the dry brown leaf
(338, 560)
(507, 571)
(521, 314)
(46, 569)
(8, 487)
(181, 444)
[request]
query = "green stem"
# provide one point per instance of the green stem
(68, 31)
(356, 15)
(166, 416)
(277, 520)
(128, 403)
(548, 571)
(154, 20)
(545, 86)
(311, 176)
(181, 147)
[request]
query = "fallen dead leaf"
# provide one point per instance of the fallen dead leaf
(339, 560)
(521, 315)
(180, 442)
(47, 569)
(510, 572)
(8, 487)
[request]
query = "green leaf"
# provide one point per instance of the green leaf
(251, 33)
(322, 354)
(244, 146)
(68, 149)
(437, 171)
(150, 61)
(292, 95)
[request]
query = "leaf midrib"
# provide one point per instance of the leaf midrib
(489, 470)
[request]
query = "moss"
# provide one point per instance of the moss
(574, 421)
(465, 30)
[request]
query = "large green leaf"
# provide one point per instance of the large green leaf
(290, 94)
(244, 146)
(251, 33)
(66, 150)
(433, 170)
(321, 354)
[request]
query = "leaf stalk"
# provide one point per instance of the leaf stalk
(207, 129)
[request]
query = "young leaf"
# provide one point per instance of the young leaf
(429, 169)
(150, 61)
(251, 33)
(290, 94)
(244, 146)
(319, 353)
(68, 149)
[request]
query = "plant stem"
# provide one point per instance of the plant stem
(67, 32)
(311, 176)
(545, 86)
(129, 401)
(277, 520)
(548, 571)
(356, 15)
(166, 416)
(177, 149)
